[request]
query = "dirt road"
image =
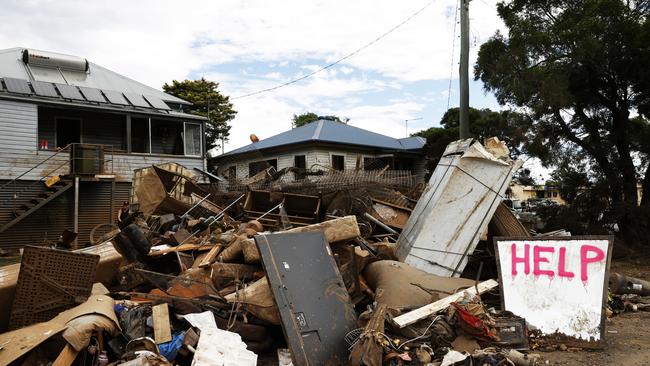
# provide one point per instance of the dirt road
(628, 335)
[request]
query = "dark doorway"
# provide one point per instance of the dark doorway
(68, 131)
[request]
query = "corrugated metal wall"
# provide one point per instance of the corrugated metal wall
(48, 222)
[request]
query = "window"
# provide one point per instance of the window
(258, 166)
(338, 162)
(232, 172)
(193, 139)
(554, 194)
(167, 137)
(68, 131)
(300, 163)
(375, 163)
(139, 135)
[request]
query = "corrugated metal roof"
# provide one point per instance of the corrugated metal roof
(332, 132)
(413, 142)
(11, 65)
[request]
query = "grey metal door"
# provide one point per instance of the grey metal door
(314, 304)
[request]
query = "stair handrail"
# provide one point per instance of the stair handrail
(36, 166)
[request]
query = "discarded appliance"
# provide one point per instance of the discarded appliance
(558, 284)
(456, 206)
(314, 305)
(50, 281)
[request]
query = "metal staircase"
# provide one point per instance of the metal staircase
(29, 198)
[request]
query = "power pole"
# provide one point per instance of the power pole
(464, 69)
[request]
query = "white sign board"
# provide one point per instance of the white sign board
(557, 284)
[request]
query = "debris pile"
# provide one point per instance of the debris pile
(359, 274)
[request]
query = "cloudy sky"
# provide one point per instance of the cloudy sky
(251, 45)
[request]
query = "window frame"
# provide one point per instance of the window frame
(185, 140)
(332, 155)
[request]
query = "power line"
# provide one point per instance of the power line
(339, 60)
(453, 46)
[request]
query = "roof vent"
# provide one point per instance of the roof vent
(55, 60)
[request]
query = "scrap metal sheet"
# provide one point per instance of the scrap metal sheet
(456, 207)
(314, 304)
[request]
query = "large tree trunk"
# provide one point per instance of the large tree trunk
(620, 125)
(645, 188)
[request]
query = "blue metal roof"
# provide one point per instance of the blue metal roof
(332, 132)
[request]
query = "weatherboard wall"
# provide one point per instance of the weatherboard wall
(20, 153)
(315, 159)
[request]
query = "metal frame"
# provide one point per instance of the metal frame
(610, 244)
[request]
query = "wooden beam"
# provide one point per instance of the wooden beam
(428, 310)
(184, 248)
(211, 257)
(67, 356)
(340, 229)
(161, 328)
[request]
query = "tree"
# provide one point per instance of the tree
(508, 126)
(579, 69)
(309, 117)
(303, 119)
(208, 102)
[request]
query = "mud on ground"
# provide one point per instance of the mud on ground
(627, 341)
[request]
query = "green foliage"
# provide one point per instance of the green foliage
(309, 117)
(207, 102)
(579, 68)
(303, 119)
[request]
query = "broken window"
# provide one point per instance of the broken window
(300, 162)
(258, 166)
(139, 135)
(338, 162)
(167, 137)
(232, 172)
(68, 131)
(193, 139)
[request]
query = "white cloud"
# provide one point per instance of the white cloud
(157, 41)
